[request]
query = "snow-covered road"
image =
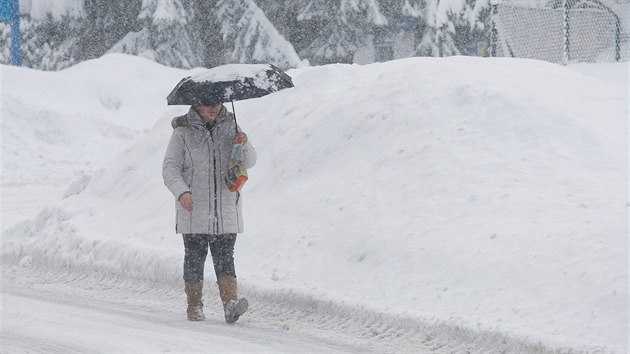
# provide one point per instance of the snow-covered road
(64, 312)
(57, 321)
(51, 322)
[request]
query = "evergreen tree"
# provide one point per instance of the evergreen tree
(283, 15)
(338, 27)
(471, 27)
(428, 34)
(179, 33)
(414, 12)
(250, 37)
(5, 42)
(411, 16)
(50, 44)
(106, 23)
(207, 29)
(166, 35)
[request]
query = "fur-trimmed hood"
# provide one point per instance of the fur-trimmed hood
(193, 118)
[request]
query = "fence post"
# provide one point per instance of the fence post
(617, 39)
(566, 52)
(493, 32)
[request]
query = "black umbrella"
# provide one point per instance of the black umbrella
(231, 82)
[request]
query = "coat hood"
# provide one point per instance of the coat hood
(193, 118)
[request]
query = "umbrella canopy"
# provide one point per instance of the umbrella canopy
(227, 83)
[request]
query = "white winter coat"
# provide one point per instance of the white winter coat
(196, 161)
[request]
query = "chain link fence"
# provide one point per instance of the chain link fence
(583, 32)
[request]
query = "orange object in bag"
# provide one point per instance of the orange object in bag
(236, 174)
(240, 182)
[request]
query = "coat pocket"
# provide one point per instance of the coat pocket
(183, 222)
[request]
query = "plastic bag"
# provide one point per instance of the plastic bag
(236, 174)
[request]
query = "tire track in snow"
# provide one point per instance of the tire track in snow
(285, 313)
(13, 342)
(46, 319)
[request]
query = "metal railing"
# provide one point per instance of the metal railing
(586, 31)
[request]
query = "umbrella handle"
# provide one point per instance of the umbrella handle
(234, 112)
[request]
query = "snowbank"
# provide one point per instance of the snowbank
(487, 192)
(62, 126)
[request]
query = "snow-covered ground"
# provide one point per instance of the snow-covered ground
(431, 196)
(64, 322)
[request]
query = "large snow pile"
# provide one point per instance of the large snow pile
(61, 126)
(490, 193)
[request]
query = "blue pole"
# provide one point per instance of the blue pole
(16, 52)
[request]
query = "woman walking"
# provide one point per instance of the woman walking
(208, 214)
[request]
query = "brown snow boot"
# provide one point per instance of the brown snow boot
(194, 293)
(232, 306)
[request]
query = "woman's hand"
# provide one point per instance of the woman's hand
(240, 138)
(186, 201)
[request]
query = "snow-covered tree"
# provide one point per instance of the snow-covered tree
(428, 38)
(106, 23)
(449, 27)
(49, 43)
(471, 27)
(205, 25)
(251, 38)
(165, 35)
(179, 33)
(429, 22)
(5, 42)
(339, 27)
(414, 16)
(284, 16)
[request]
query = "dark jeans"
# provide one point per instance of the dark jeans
(196, 250)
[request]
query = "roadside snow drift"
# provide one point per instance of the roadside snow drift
(490, 193)
(60, 126)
